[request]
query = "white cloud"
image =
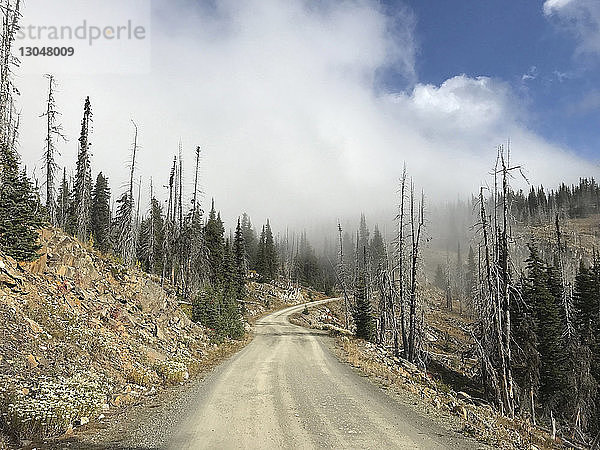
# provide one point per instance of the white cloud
(552, 6)
(531, 74)
(282, 97)
(580, 17)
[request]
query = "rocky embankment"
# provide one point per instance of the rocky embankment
(80, 334)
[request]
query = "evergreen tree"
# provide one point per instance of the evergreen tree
(124, 220)
(214, 239)
(228, 271)
(526, 359)
(349, 247)
(440, 280)
(537, 292)
(585, 355)
(79, 221)
(362, 313)
(471, 274)
(217, 306)
(363, 240)
(151, 244)
(250, 241)
(306, 267)
(377, 251)
(585, 304)
(260, 255)
(239, 251)
(100, 213)
(269, 269)
(19, 212)
(19, 205)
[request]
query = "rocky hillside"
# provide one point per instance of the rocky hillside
(81, 335)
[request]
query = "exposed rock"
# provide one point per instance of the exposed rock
(31, 362)
(35, 327)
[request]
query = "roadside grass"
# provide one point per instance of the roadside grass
(438, 399)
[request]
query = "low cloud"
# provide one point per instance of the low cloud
(284, 101)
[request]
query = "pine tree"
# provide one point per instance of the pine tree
(150, 245)
(585, 355)
(550, 346)
(214, 239)
(250, 241)
(585, 304)
(349, 248)
(363, 239)
(377, 252)
(217, 306)
(100, 213)
(260, 255)
(239, 251)
(19, 205)
(471, 275)
(526, 358)
(124, 221)
(79, 221)
(19, 213)
(362, 313)
(269, 269)
(440, 280)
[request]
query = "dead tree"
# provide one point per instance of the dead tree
(341, 277)
(398, 277)
(152, 236)
(125, 217)
(417, 223)
(10, 11)
(195, 198)
(496, 290)
(565, 297)
(168, 236)
(53, 133)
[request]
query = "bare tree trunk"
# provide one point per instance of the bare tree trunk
(53, 131)
(416, 225)
(400, 269)
(342, 278)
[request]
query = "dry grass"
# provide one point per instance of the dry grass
(479, 422)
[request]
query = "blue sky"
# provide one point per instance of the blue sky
(515, 41)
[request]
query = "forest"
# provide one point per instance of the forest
(534, 320)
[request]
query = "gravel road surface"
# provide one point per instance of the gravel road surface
(287, 390)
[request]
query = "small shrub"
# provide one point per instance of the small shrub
(172, 371)
(305, 310)
(47, 407)
(141, 376)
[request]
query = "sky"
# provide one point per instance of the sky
(307, 111)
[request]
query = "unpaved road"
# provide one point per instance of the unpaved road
(287, 390)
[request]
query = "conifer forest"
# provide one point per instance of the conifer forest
(483, 301)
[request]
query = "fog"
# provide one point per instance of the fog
(287, 103)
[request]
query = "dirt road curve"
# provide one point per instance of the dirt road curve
(286, 390)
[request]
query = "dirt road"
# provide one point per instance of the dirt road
(287, 390)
